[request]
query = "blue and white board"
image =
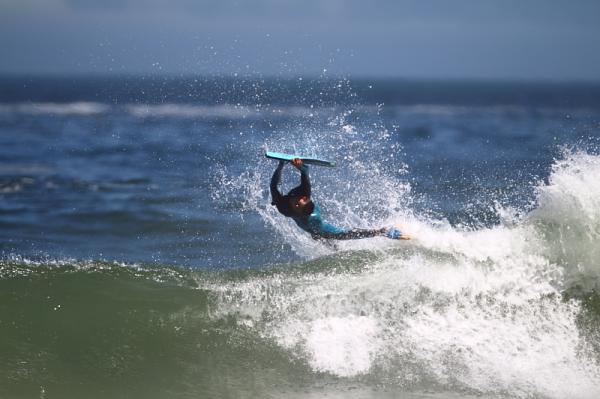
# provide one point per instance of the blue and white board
(307, 160)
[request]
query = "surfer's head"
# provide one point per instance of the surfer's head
(301, 205)
(293, 206)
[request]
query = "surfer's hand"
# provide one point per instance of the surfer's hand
(297, 162)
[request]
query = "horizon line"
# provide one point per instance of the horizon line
(291, 77)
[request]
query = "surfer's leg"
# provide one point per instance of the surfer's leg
(353, 234)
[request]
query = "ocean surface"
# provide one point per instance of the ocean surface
(141, 258)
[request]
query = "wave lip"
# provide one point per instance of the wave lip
(567, 217)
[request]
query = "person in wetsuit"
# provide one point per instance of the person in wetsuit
(298, 205)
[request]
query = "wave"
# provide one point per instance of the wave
(567, 219)
(497, 311)
(76, 108)
(169, 110)
(240, 111)
(226, 111)
(409, 319)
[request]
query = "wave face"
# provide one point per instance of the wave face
(492, 312)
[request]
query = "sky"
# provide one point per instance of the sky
(556, 40)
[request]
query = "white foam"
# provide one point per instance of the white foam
(345, 346)
(568, 217)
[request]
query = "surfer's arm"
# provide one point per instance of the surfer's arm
(275, 194)
(304, 188)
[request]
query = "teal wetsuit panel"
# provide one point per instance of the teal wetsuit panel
(315, 225)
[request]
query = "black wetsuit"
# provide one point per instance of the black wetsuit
(312, 223)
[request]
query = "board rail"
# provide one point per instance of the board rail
(307, 160)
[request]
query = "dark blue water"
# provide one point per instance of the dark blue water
(141, 257)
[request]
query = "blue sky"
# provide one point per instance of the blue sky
(479, 39)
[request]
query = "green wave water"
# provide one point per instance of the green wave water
(98, 330)
(73, 329)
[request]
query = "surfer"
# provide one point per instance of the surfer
(298, 205)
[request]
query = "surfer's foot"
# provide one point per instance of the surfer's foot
(396, 234)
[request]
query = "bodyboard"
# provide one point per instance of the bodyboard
(307, 160)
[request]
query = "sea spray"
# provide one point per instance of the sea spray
(365, 190)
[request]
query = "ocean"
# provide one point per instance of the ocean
(141, 258)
